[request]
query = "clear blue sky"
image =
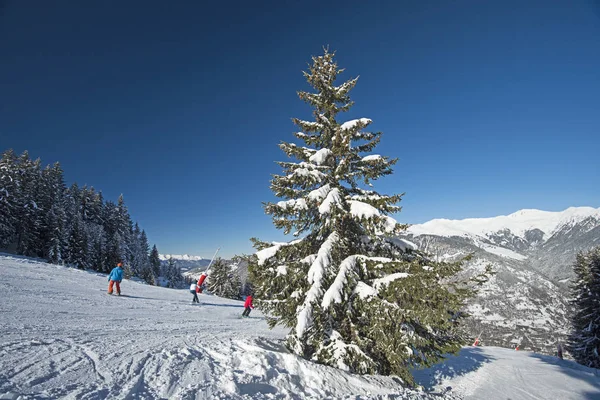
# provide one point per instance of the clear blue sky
(491, 106)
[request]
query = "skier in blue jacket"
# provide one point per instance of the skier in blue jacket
(115, 277)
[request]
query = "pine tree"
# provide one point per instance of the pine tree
(222, 281)
(353, 298)
(155, 261)
(78, 245)
(55, 226)
(124, 228)
(29, 215)
(8, 198)
(113, 251)
(53, 230)
(584, 341)
(171, 273)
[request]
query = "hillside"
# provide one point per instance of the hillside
(532, 252)
(63, 337)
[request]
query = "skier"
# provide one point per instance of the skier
(248, 306)
(115, 277)
(559, 350)
(193, 288)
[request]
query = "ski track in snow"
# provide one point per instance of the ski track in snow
(63, 337)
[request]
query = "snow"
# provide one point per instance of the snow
(264, 254)
(317, 176)
(404, 244)
(364, 210)
(316, 272)
(334, 293)
(363, 290)
(320, 193)
(320, 156)
(378, 283)
(372, 157)
(282, 270)
(503, 252)
(518, 223)
(333, 197)
(299, 204)
(62, 337)
(184, 257)
(352, 123)
(496, 373)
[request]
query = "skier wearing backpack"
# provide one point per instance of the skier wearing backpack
(115, 277)
(248, 306)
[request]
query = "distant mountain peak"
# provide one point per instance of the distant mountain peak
(184, 257)
(518, 223)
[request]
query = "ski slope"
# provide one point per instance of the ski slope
(63, 337)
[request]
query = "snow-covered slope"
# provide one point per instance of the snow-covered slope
(508, 374)
(62, 336)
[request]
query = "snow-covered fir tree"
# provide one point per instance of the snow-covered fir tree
(78, 245)
(172, 273)
(222, 281)
(354, 297)
(8, 197)
(29, 215)
(155, 261)
(584, 341)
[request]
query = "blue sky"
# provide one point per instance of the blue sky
(490, 107)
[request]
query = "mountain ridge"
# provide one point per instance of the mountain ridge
(519, 223)
(532, 252)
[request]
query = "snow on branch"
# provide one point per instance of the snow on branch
(381, 282)
(403, 244)
(320, 193)
(372, 157)
(333, 198)
(334, 293)
(364, 210)
(316, 273)
(314, 175)
(299, 204)
(320, 156)
(264, 254)
(346, 126)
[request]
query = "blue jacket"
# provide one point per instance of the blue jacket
(116, 274)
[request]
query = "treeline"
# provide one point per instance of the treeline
(74, 226)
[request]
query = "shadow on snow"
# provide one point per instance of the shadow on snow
(469, 359)
(222, 305)
(591, 376)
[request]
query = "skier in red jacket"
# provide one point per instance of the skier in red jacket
(248, 306)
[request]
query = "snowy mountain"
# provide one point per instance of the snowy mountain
(180, 257)
(62, 337)
(189, 264)
(532, 252)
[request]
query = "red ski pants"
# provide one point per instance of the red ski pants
(117, 284)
